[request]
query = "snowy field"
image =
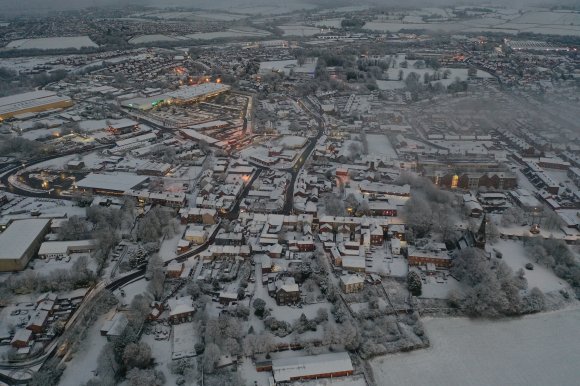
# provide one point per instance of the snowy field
(381, 146)
(536, 350)
(542, 22)
(152, 38)
(386, 85)
(434, 288)
(251, 7)
(299, 30)
(184, 15)
(230, 33)
(543, 278)
(52, 43)
(329, 23)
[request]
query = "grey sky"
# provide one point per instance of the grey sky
(35, 6)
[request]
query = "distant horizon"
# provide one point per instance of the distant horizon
(39, 7)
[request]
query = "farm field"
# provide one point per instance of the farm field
(52, 43)
(531, 351)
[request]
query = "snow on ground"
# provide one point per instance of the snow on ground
(380, 145)
(44, 205)
(299, 30)
(33, 135)
(48, 265)
(62, 42)
(437, 288)
(168, 249)
(535, 350)
(391, 84)
(501, 21)
(330, 23)
(543, 278)
(152, 38)
(248, 372)
(84, 361)
(161, 352)
(231, 33)
(131, 290)
(356, 380)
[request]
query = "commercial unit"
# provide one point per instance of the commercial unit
(20, 241)
(312, 367)
(197, 93)
(32, 102)
(123, 126)
(21, 338)
(110, 184)
(59, 249)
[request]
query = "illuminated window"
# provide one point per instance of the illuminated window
(454, 181)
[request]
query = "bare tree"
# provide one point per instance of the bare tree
(137, 355)
(211, 356)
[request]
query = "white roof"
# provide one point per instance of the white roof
(209, 125)
(228, 295)
(28, 100)
(286, 369)
(116, 325)
(140, 138)
(190, 92)
(117, 182)
(122, 123)
(352, 279)
(181, 309)
(21, 334)
(16, 239)
(62, 247)
(180, 306)
(288, 285)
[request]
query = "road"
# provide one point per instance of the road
(295, 170)
(15, 169)
(140, 272)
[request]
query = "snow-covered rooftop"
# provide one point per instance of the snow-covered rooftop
(287, 369)
(117, 182)
(63, 247)
(29, 100)
(191, 92)
(16, 239)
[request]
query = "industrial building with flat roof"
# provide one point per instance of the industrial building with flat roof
(57, 249)
(20, 241)
(32, 102)
(111, 184)
(191, 94)
(312, 367)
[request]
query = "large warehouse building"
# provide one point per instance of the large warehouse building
(197, 93)
(312, 367)
(185, 94)
(110, 184)
(20, 241)
(32, 102)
